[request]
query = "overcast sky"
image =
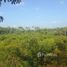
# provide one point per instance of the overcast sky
(41, 13)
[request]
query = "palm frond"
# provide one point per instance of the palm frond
(11, 1)
(1, 19)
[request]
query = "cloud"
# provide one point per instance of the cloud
(37, 8)
(21, 4)
(37, 16)
(1, 13)
(62, 2)
(54, 22)
(58, 21)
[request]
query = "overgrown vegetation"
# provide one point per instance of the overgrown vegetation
(19, 47)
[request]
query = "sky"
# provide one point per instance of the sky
(36, 13)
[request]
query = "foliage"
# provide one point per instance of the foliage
(11, 1)
(19, 47)
(1, 19)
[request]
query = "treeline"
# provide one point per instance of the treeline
(55, 31)
(25, 47)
